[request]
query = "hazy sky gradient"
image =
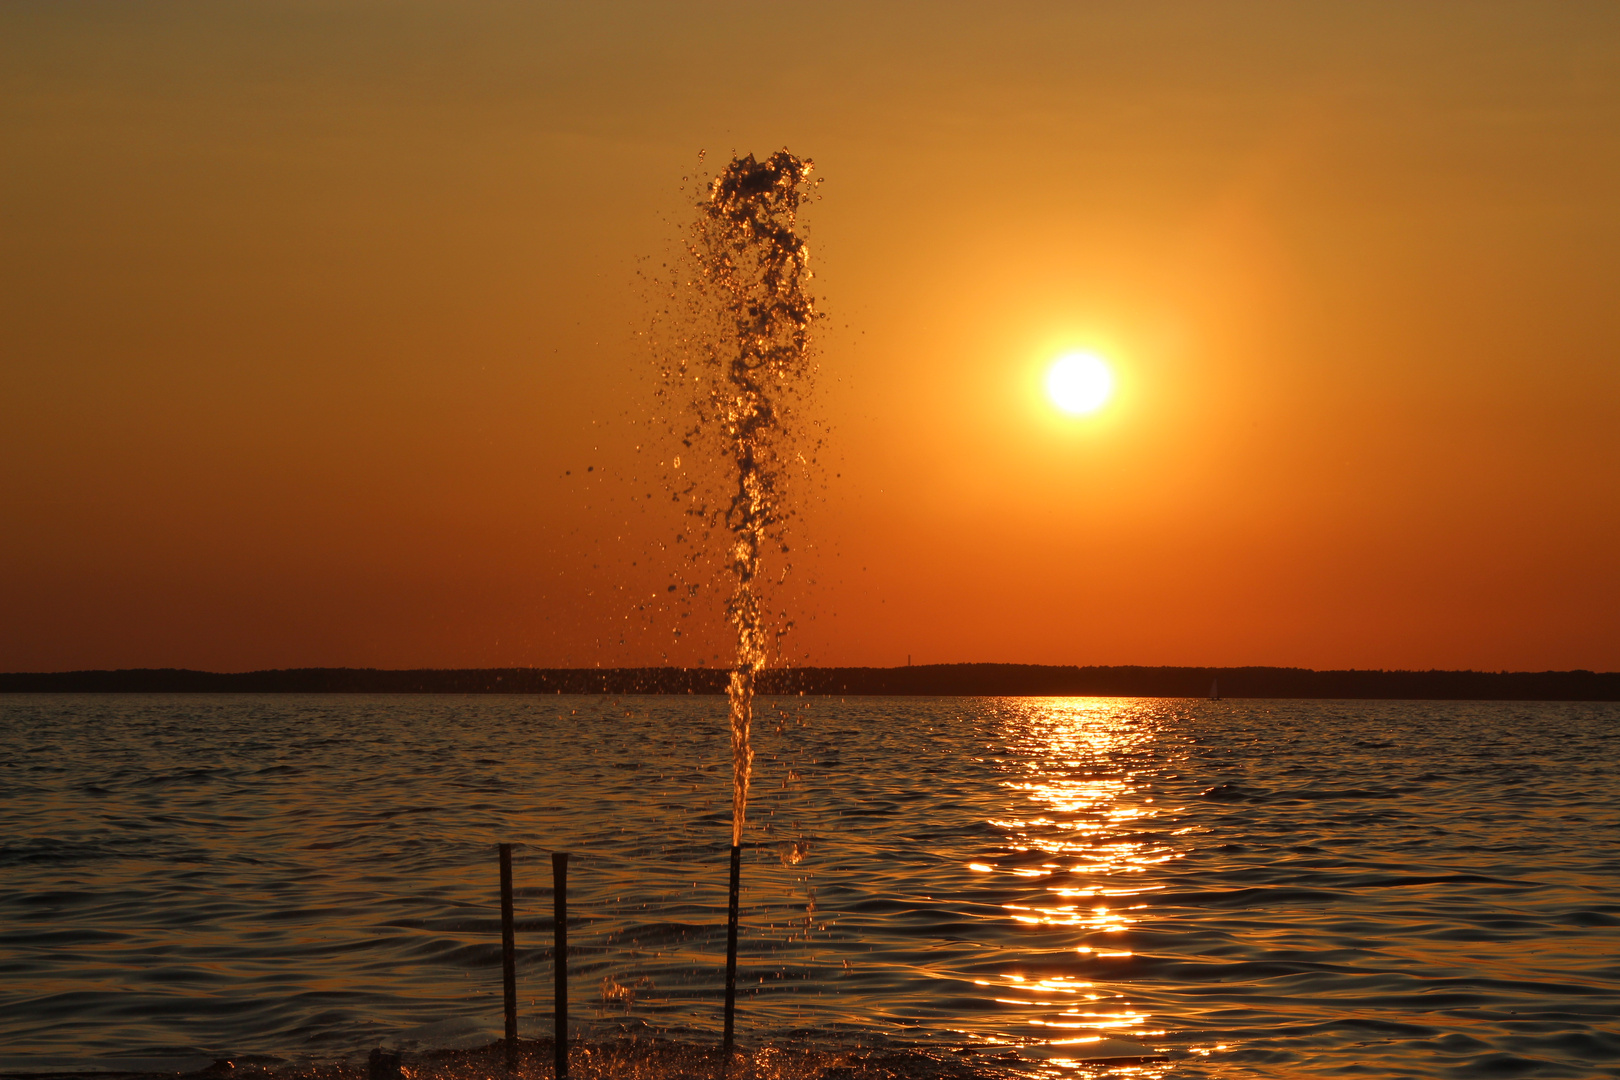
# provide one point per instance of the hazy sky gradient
(307, 309)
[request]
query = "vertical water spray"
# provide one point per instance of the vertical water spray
(739, 371)
(758, 270)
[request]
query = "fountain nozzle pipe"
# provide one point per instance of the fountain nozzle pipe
(559, 917)
(509, 958)
(731, 962)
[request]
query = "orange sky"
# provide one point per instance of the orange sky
(307, 308)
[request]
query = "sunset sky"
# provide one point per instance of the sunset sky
(314, 315)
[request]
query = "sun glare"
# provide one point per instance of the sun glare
(1079, 383)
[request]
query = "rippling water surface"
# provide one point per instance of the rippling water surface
(1243, 888)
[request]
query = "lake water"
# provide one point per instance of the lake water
(1245, 888)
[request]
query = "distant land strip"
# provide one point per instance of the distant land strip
(931, 680)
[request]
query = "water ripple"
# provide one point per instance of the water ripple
(1241, 889)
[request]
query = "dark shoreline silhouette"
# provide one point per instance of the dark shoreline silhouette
(931, 680)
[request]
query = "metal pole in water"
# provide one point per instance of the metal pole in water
(731, 962)
(509, 957)
(559, 917)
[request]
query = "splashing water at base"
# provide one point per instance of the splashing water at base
(739, 377)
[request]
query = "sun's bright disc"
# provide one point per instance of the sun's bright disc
(1079, 383)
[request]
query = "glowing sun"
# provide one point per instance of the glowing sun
(1079, 383)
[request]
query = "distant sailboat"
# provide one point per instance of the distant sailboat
(1214, 690)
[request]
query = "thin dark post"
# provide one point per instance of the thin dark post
(383, 1065)
(731, 962)
(509, 956)
(559, 916)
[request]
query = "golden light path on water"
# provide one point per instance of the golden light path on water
(1081, 813)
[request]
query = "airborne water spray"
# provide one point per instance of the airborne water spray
(737, 371)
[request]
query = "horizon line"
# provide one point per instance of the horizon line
(918, 680)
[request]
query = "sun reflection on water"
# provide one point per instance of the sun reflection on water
(1076, 846)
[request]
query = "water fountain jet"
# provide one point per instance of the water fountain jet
(739, 377)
